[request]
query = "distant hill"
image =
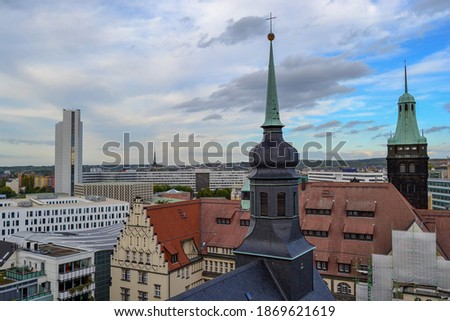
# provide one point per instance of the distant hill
(352, 163)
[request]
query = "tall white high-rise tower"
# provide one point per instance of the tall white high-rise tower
(68, 152)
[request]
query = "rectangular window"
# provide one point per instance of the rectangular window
(322, 265)
(281, 208)
(142, 296)
(125, 294)
(143, 277)
(220, 220)
(318, 211)
(315, 233)
(125, 275)
(344, 268)
(264, 204)
(245, 222)
(361, 237)
(157, 288)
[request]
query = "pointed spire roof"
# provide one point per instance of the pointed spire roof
(272, 110)
(407, 131)
(406, 97)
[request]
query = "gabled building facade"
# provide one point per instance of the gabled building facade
(164, 250)
(157, 255)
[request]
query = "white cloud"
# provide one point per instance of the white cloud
(125, 64)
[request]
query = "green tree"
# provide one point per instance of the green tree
(8, 192)
(223, 192)
(28, 183)
(160, 188)
(183, 188)
(204, 192)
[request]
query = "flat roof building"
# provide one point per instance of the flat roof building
(53, 213)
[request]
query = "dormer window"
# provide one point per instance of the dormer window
(174, 258)
(221, 220)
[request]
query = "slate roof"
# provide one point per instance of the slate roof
(391, 212)
(251, 282)
(6, 250)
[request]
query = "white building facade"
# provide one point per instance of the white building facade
(373, 177)
(68, 152)
(195, 179)
(59, 214)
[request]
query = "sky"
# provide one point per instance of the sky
(153, 72)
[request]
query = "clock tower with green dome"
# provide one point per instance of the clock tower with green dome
(407, 158)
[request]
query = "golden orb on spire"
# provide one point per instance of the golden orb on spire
(271, 36)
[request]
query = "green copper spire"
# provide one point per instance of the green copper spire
(406, 97)
(272, 111)
(407, 131)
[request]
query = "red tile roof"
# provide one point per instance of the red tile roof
(361, 205)
(223, 235)
(197, 220)
(438, 221)
(322, 224)
(319, 204)
(173, 224)
(357, 227)
(391, 212)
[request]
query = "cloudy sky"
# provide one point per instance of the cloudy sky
(155, 69)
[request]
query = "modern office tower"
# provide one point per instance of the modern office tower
(68, 152)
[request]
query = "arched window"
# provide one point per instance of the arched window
(402, 167)
(412, 167)
(281, 200)
(264, 202)
(344, 288)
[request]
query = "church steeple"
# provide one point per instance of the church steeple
(407, 131)
(274, 234)
(272, 109)
(407, 159)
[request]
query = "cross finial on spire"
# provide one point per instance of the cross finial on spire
(270, 19)
(271, 35)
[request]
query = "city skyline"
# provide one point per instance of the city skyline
(156, 70)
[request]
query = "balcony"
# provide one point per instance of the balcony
(23, 273)
(78, 290)
(75, 274)
(44, 296)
